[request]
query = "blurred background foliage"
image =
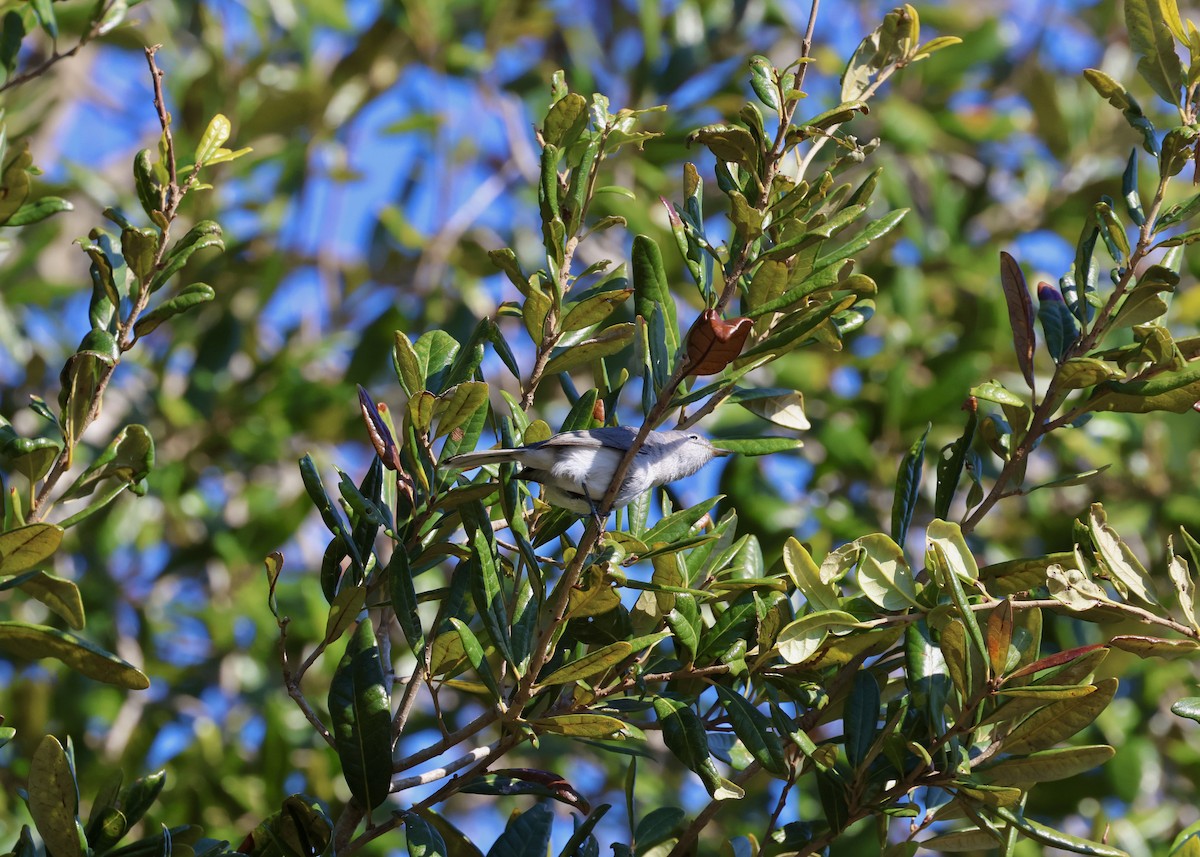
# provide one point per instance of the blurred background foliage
(393, 147)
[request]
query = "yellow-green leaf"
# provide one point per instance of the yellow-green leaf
(23, 548)
(590, 664)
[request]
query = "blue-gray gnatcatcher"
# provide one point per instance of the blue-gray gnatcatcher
(576, 467)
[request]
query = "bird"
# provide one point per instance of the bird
(577, 467)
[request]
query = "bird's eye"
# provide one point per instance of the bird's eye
(693, 437)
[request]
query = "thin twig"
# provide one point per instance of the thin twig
(56, 56)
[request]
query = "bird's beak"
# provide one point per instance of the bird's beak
(722, 453)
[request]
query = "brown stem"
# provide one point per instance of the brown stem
(1041, 424)
(55, 56)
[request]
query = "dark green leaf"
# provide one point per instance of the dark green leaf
(188, 298)
(36, 212)
(404, 599)
(754, 730)
(908, 486)
(362, 723)
(422, 838)
(526, 835)
(861, 717)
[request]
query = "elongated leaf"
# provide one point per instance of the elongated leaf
(39, 641)
(487, 593)
(908, 484)
(799, 640)
(422, 838)
(883, 573)
(1039, 832)
(473, 651)
(1047, 765)
(404, 599)
(129, 459)
(608, 342)
(527, 835)
(1151, 40)
(584, 725)
(189, 297)
(1020, 313)
(1117, 558)
(806, 575)
(1059, 720)
(54, 800)
(59, 594)
(25, 547)
(362, 723)
(754, 730)
(590, 664)
(950, 466)
(861, 717)
(1155, 647)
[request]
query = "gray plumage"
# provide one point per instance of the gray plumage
(576, 467)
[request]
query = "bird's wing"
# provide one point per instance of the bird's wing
(612, 437)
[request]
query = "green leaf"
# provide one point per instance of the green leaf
(757, 445)
(605, 344)
(861, 718)
(359, 708)
(129, 458)
(871, 232)
(652, 293)
(683, 733)
(582, 725)
(806, 576)
(54, 800)
(994, 391)
(487, 593)
(657, 826)
(1058, 323)
(204, 234)
(1188, 707)
(1040, 833)
(213, 138)
(39, 641)
(1176, 391)
(36, 212)
(565, 120)
(1080, 372)
(799, 640)
(31, 457)
(1117, 558)
(422, 838)
(729, 143)
(25, 547)
(594, 309)
(1154, 46)
(473, 651)
(435, 352)
(526, 835)
(753, 729)
(883, 573)
(189, 297)
(456, 406)
(343, 611)
(404, 599)
(1058, 720)
(1047, 765)
(140, 248)
(908, 484)
(57, 593)
(589, 665)
(951, 461)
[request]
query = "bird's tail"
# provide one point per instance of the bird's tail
(468, 460)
